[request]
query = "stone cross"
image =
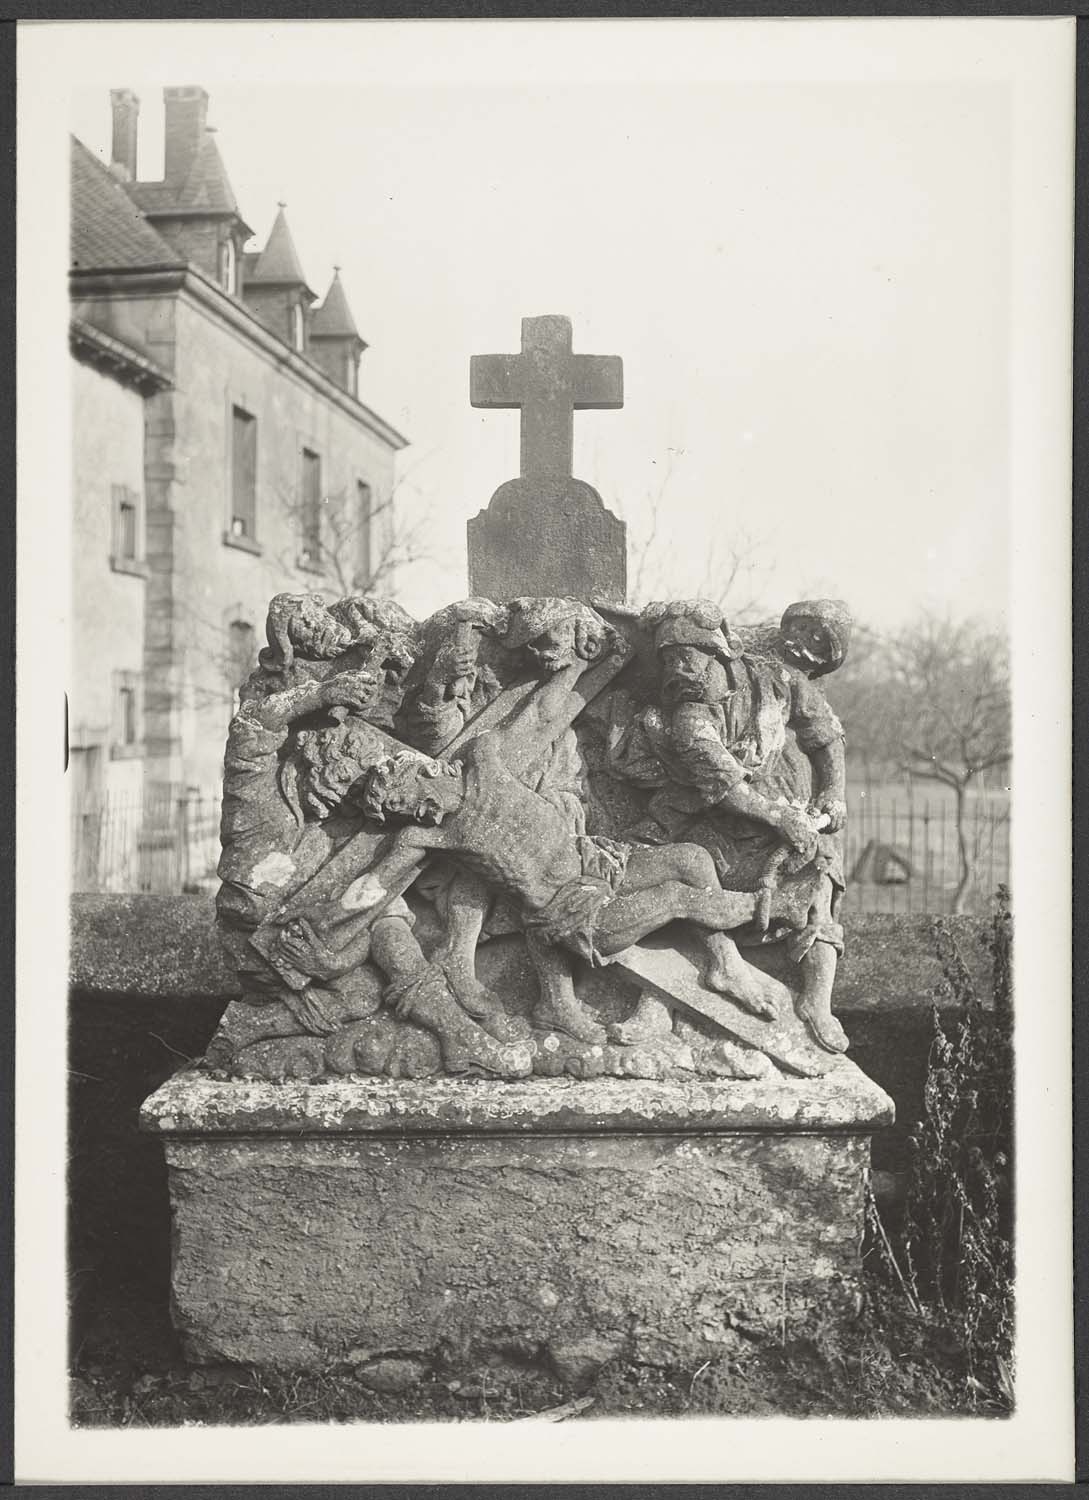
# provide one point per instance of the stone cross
(547, 532)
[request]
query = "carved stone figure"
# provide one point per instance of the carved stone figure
(745, 757)
(291, 785)
(403, 802)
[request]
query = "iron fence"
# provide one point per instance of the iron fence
(163, 842)
(901, 855)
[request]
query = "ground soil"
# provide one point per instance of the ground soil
(128, 1372)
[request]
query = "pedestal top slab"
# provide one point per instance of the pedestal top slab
(191, 1103)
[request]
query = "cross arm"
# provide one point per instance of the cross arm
(599, 382)
(495, 380)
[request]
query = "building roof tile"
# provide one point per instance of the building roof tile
(279, 260)
(206, 189)
(108, 231)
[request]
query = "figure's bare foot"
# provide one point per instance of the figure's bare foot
(567, 1013)
(729, 974)
(483, 1054)
(827, 1032)
(483, 1006)
(466, 1047)
(651, 1018)
(504, 1027)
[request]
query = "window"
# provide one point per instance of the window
(128, 715)
(126, 530)
(364, 504)
(228, 266)
(298, 327)
(127, 697)
(311, 509)
(243, 474)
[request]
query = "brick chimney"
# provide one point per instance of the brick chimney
(126, 112)
(186, 110)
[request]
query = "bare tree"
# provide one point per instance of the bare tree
(954, 682)
(354, 540)
(866, 698)
(736, 569)
(932, 699)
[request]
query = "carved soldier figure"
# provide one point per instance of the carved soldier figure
(745, 756)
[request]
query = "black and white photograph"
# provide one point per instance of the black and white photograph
(548, 551)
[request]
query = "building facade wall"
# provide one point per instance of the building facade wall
(108, 619)
(219, 583)
(105, 732)
(207, 593)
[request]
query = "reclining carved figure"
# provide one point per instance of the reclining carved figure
(590, 895)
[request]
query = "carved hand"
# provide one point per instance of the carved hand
(349, 690)
(833, 809)
(798, 832)
(301, 945)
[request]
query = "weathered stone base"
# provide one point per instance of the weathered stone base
(446, 1221)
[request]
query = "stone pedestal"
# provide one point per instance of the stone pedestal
(358, 1220)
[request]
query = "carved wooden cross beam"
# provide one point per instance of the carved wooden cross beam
(548, 383)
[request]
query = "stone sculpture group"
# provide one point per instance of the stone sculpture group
(533, 836)
(535, 911)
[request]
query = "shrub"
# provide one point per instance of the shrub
(954, 1253)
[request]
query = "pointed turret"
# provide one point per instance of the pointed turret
(278, 262)
(335, 343)
(333, 319)
(275, 287)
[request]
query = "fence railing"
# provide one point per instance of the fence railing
(904, 855)
(901, 856)
(162, 843)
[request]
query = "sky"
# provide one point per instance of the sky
(808, 281)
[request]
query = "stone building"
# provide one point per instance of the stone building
(220, 454)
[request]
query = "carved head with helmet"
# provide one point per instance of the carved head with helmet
(693, 641)
(556, 632)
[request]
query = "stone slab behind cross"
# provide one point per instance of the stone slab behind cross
(547, 533)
